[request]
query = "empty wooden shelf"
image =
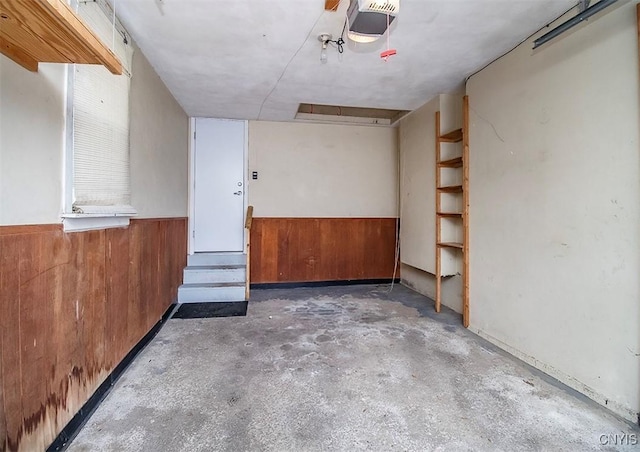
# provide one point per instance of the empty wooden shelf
(451, 189)
(451, 245)
(451, 163)
(454, 136)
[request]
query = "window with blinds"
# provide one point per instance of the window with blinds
(101, 182)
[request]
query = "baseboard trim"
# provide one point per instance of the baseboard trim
(341, 282)
(210, 310)
(73, 427)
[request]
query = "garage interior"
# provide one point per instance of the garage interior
(439, 229)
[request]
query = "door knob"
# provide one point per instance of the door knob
(238, 193)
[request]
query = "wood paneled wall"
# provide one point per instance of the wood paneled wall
(322, 249)
(71, 307)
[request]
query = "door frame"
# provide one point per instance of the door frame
(192, 180)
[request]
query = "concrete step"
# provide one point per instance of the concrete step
(214, 274)
(211, 292)
(208, 259)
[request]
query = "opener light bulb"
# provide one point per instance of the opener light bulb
(323, 54)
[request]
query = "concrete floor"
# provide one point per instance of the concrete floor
(338, 368)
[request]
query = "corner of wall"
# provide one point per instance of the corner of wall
(159, 153)
(425, 284)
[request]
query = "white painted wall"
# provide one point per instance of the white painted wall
(425, 283)
(555, 208)
(417, 187)
(323, 170)
(32, 109)
(32, 129)
(159, 146)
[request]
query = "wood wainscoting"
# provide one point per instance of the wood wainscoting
(71, 307)
(322, 249)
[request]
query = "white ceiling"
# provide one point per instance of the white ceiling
(251, 59)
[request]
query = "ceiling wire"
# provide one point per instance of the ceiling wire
(113, 30)
(520, 43)
(288, 64)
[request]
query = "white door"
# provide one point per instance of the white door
(219, 185)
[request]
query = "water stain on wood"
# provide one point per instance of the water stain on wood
(71, 307)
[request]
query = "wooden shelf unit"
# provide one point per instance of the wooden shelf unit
(456, 136)
(48, 31)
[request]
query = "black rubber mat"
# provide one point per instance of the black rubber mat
(211, 309)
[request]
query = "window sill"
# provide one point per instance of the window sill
(77, 222)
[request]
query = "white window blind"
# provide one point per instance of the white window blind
(101, 182)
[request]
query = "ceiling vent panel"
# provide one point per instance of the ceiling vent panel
(337, 114)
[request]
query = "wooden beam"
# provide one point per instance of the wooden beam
(49, 31)
(18, 55)
(76, 27)
(16, 29)
(331, 5)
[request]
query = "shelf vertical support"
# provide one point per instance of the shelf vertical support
(438, 222)
(465, 215)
